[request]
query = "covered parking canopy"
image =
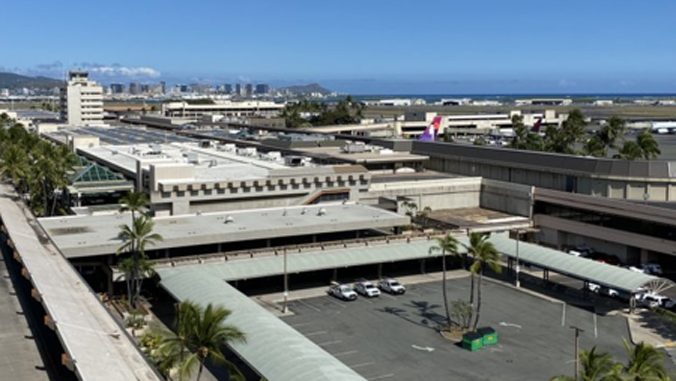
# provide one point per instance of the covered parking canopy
(274, 349)
(614, 277)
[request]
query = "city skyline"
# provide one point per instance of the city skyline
(360, 48)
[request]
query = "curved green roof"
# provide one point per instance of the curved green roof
(274, 349)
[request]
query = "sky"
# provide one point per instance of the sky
(353, 46)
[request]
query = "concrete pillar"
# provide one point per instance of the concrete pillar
(357, 234)
(380, 270)
(422, 266)
(314, 238)
(644, 256)
(334, 277)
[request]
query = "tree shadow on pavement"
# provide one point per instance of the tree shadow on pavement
(430, 319)
(658, 324)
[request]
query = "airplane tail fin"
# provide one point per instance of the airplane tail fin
(431, 131)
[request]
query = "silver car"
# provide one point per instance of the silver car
(366, 288)
(342, 291)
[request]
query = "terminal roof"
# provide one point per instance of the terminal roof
(80, 236)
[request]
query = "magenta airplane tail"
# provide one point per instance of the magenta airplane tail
(431, 131)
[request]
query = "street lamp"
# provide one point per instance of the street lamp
(285, 308)
(577, 350)
(518, 235)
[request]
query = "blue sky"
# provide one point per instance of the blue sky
(366, 46)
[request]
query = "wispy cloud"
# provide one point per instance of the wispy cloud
(117, 70)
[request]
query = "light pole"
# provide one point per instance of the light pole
(518, 235)
(577, 350)
(285, 309)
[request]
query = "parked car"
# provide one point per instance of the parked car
(392, 286)
(635, 269)
(652, 268)
(593, 287)
(342, 291)
(584, 250)
(366, 288)
(651, 300)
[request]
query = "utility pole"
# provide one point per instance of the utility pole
(286, 285)
(518, 236)
(577, 351)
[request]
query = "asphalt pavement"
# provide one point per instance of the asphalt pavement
(396, 337)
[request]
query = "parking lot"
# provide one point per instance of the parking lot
(395, 337)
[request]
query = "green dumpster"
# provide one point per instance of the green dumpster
(472, 341)
(489, 335)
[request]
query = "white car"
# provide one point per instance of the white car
(603, 290)
(392, 286)
(366, 288)
(651, 300)
(342, 291)
(593, 287)
(635, 269)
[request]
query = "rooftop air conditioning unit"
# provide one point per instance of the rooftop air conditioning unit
(322, 212)
(229, 219)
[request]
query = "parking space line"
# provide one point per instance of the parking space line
(314, 333)
(389, 296)
(366, 300)
(309, 305)
(345, 353)
(362, 364)
(336, 303)
(330, 343)
(381, 377)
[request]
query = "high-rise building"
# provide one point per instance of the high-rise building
(248, 88)
(116, 88)
(163, 87)
(262, 88)
(81, 100)
(133, 88)
(238, 89)
(144, 88)
(227, 88)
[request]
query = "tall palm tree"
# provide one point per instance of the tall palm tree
(645, 363)
(447, 245)
(134, 202)
(650, 149)
(14, 165)
(630, 150)
(484, 254)
(200, 335)
(135, 238)
(597, 366)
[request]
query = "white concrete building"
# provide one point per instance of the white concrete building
(226, 108)
(82, 101)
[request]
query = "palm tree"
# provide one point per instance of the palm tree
(645, 363)
(135, 202)
(597, 366)
(630, 151)
(650, 149)
(484, 254)
(135, 238)
(14, 165)
(447, 245)
(200, 335)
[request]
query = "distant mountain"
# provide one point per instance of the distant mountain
(307, 89)
(16, 81)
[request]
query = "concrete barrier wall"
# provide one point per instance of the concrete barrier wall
(506, 197)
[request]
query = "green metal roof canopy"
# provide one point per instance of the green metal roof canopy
(274, 349)
(614, 277)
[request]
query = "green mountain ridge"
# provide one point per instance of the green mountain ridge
(307, 89)
(17, 81)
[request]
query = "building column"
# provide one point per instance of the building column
(644, 256)
(334, 275)
(422, 266)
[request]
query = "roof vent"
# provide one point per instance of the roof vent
(229, 219)
(322, 212)
(303, 211)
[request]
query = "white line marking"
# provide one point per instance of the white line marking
(503, 324)
(345, 353)
(315, 333)
(428, 349)
(563, 316)
(362, 364)
(336, 303)
(596, 333)
(309, 305)
(381, 377)
(330, 343)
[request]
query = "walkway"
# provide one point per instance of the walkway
(98, 348)
(19, 355)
